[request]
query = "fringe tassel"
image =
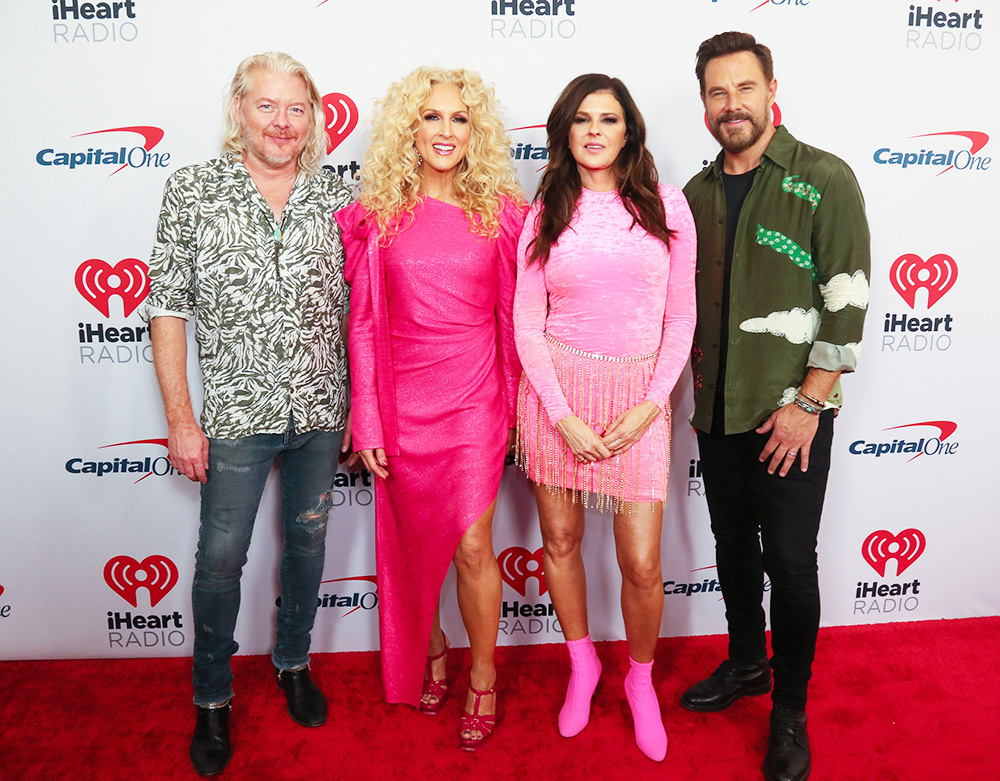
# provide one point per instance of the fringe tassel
(598, 389)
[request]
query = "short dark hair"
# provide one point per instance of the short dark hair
(732, 43)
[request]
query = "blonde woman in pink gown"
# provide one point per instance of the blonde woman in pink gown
(603, 318)
(431, 253)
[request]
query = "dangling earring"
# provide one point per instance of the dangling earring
(420, 159)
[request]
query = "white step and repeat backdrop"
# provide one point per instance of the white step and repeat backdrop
(105, 100)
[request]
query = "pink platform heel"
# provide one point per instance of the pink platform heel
(435, 688)
(475, 722)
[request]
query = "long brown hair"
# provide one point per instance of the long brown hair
(560, 187)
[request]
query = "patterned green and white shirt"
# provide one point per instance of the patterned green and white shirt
(798, 286)
(267, 298)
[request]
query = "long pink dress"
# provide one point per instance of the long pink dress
(605, 324)
(434, 375)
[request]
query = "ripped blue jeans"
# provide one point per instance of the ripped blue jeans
(237, 472)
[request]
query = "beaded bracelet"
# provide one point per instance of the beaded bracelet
(805, 406)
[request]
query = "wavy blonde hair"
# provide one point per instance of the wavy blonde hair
(314, 149)
(390, 176)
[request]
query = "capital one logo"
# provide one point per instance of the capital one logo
(517, 565)
(141, 156)
(881, 546)
(341, 115)
(125, 576)
(758, 4)
(98, 281)
(936, 275)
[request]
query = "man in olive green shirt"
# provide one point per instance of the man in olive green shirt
(783, 263)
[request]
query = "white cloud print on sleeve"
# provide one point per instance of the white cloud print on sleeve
(845, 290)
(797, 326)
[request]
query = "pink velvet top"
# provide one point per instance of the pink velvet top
(608, 288)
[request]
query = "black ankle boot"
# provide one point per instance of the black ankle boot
(306, 703)
(727, 684)
(788, 747)
(210, 746)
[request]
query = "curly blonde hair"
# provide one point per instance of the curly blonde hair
(390, 176)
(314, 149)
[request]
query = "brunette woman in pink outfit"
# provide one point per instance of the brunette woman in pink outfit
(431, 253)
(603, 317)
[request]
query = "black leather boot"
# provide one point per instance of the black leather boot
(210, 746)
(727, 684)
(306, 703)
(788, 747)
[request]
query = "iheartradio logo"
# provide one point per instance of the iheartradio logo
(125, 576)
(936, 275)
(341, 118)
(882, 546)
(517, 565)
(98, 281)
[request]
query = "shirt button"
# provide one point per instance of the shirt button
(718, 263)
(722, 220)
(716, 304)
(715, 347)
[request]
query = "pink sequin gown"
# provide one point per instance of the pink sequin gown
(609, 293)
(434, 375)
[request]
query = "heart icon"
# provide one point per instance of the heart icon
(97, 281)
(125, 576)
(517, 565)
(341, 118)
(910, 273)
(904, 547)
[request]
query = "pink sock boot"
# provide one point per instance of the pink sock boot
(650, 736)
(585, 672)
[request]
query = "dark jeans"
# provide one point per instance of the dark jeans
(765, 523)
(237, 472)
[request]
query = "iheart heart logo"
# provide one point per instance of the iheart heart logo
(1, 591)
(936, 275)
(904, 547)
(97, 281)
(341, 118)
(517, 565)
(125, 576)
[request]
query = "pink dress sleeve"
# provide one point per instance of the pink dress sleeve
(531, 307)
(679, 314)
(511, 223)
(366, 423)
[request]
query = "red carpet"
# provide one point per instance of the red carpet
(902, 702)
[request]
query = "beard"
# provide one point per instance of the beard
(255, 145)
(738, 140)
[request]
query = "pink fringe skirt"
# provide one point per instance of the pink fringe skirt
(598, 389)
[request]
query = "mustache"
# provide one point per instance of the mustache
(734, 115)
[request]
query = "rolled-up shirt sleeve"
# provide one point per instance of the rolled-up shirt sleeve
(171, 263)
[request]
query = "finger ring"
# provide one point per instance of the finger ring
(793, 453)
(616, 443)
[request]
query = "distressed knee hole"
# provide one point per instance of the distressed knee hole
(318, 515)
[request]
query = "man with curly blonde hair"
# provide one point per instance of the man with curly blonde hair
(246, 246)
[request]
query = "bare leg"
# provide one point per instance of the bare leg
(562, 526)
(637, 543)
(479, 595)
